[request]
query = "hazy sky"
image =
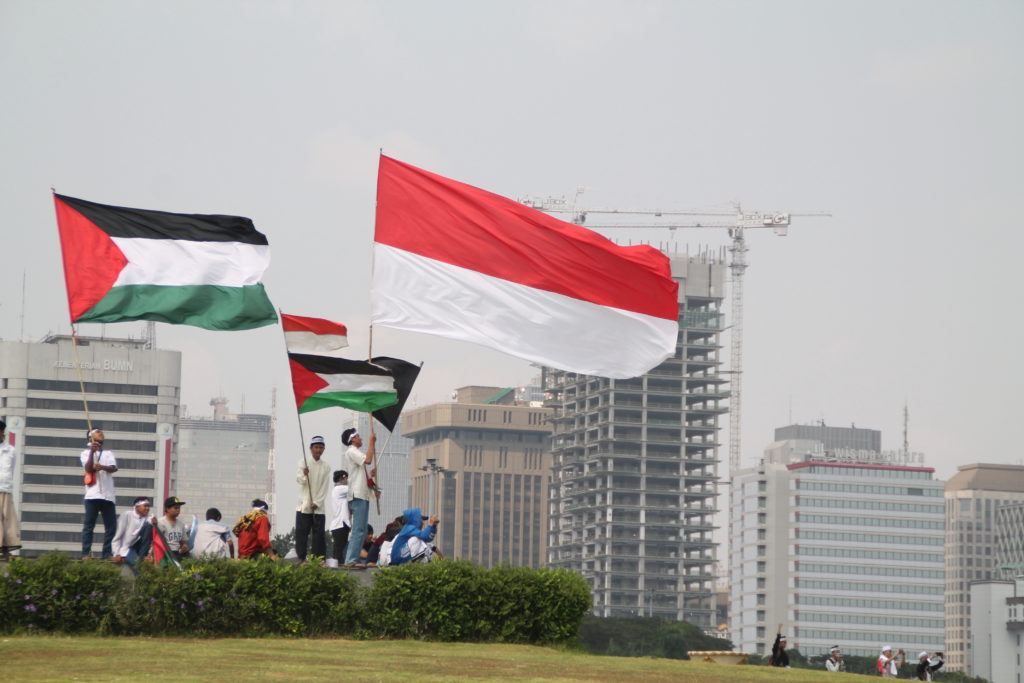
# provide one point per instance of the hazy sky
(903, 119)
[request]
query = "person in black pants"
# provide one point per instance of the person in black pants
(341, 522)
(314, 478)
(779, 656)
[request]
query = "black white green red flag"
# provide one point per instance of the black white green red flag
(323, 382)
(123, 264)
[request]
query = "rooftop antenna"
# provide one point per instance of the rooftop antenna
(906, 431)
(22, 334)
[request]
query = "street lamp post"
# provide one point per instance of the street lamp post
(433, 468)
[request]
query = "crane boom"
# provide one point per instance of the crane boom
(740, 222)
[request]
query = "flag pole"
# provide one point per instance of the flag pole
(298, 416)
(81, 385)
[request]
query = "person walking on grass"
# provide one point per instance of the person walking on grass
(314, 480)
(358, 492)
(100, 466)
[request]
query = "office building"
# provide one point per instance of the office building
(840, 545)
(481, 463)
(973, 495)
(997, 626)
(635, 467)
(223, 462)
(132, 394)
(1010, 541)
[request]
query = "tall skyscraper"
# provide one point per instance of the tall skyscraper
(1010, 542)
(223, 462)
(132, 394)
(635, 467)
(483, 462)
(840, 544)
(973, 495)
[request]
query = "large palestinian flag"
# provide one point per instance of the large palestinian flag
(123, 264)
(322, 382)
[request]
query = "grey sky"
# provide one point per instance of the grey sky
(901, 118)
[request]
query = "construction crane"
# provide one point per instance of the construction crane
(737, 222)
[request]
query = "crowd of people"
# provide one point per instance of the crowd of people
(131, 537)
(888, 664)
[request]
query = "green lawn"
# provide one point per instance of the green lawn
(42, 658)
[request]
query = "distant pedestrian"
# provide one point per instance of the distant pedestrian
(889, 663)
(134, 538)
(211, 539)
(358, 492)
(779, 656)
(173, 529)
(314, 480)
(253, 531)
(835, 660)
(10, 532)
(926, 665)
(100, 466)
(341, 521)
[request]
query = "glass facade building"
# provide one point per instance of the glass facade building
(847, 553)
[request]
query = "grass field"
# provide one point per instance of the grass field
(42, 658)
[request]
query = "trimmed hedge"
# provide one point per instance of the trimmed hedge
(444, 600)
(456, 600)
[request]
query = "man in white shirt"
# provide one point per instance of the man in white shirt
(99, 495)
(314, 480)
(134, 537)
(341, 522)
(358, 491)
(10, 534)
(211, 539)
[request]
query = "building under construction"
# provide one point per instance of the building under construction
(635, 467)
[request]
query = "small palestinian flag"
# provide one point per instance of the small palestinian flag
(314, 336)
(322, 382)
(124, 264)
(161, 554)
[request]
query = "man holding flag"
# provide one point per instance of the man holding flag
(358, 491)
(314, 478)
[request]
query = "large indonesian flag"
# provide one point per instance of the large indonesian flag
(460, 262)
(124, 264)
(322, 382)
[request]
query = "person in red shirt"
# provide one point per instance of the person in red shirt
(253, 531)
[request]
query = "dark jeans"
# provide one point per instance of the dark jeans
(93, 508)
(141, 547)
(303, 523)
(340, 538)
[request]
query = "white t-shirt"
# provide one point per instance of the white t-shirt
(339, 503)
(211, 540)
(103, 489)
(357, 486)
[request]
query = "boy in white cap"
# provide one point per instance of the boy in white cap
(889, 664)
(314, 479)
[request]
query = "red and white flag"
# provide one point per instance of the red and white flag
(453, 260)
(314, 336)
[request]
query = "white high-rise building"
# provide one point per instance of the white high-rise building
(842, 545)
(132, 394)
(223, 462)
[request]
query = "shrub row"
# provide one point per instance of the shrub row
(444, 600)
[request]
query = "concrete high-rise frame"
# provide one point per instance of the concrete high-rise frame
(635, 467)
